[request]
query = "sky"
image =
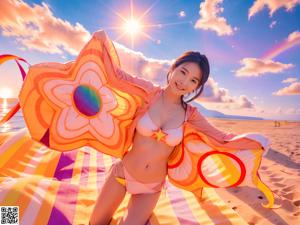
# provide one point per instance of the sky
(252, 46)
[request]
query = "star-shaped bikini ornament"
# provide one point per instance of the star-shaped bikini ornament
(159, 134)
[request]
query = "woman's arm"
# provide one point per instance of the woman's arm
(200, 123)
(112, 64)
(141, 82)
(225, 139)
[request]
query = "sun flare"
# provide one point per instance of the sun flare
(6, 92)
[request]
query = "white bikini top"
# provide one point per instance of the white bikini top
(147, 127)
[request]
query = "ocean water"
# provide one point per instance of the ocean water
(16, 122)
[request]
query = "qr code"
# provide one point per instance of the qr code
(9, 215)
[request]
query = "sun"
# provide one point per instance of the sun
(6, 92)
(132, 27)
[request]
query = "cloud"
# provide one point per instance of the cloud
(210, 20)
(35, 27)
(273, 24)
(293, 38)
(273, 6)
(293, 89)
(244, 102)
(214, 94)
(181, 14)
(257, 67)
(290, 80)
(136, 63)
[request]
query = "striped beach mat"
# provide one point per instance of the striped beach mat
(51, 187)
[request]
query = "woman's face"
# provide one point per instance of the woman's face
(185, 78)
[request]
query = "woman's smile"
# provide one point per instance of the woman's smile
(179, 87)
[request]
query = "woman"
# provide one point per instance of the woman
(142, 171)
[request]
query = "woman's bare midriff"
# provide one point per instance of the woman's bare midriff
(147, 160)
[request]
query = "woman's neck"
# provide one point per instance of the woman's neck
(169, 97)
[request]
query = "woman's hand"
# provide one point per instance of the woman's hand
(100, 34)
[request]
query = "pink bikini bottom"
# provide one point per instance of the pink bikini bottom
(132, 185)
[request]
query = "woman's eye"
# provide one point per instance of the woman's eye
(194, 81)
(182, 72)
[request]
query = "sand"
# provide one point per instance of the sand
(280, 170)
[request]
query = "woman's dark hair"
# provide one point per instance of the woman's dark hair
(202, 62)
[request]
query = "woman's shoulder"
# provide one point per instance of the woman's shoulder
(191, 110)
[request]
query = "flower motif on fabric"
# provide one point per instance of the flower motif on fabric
(85, 103)
(82, 102)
